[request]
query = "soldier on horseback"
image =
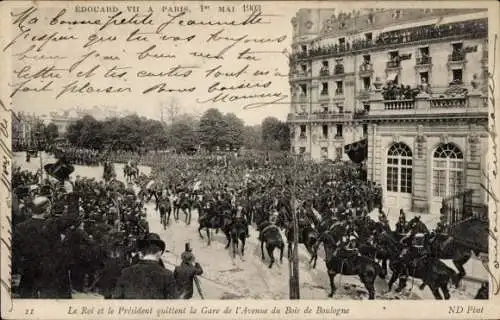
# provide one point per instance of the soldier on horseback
(401, 226)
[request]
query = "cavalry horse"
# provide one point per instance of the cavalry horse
(131, 171)
(347, 264)
(470, 235)
(237, 232)
(184, 203)
(210, 220)
(271, 236)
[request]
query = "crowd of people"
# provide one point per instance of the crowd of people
(473, 28)
(392, 91)
(86, 235)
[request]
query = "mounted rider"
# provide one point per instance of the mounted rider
(401, 226)
(240, 217)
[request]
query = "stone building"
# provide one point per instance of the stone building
(406, 85)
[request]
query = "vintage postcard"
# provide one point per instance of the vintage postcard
(253, 160)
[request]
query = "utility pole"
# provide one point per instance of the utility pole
(293, 261)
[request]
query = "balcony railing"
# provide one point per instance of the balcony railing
(424, 61)
(448, 103)
(339, 69)
(339, 92)
(399, 104)
(464, 30)
(297, 116)
(456, 57)
(393, 64)
(324, 72)
(340, 116)
(366, 67)
(323, 93)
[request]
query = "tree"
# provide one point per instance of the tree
(275, 134)
(234, 131)
(51, 133)
(212, 129)
(170, 110)
(252, 137)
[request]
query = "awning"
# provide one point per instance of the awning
(357, 151)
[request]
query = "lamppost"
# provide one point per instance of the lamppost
(293, 261)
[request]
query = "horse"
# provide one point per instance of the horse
(271, 236)
(165, 209)
(183, 203)
(130, 172)
(237, 231)
(353, 264)
(211, 221)
(431, 270)
(307, 236)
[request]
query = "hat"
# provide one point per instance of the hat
(40, 204)
(60, 170)
(151, 238)
(187, 256)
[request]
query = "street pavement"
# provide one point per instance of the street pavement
(246, 277)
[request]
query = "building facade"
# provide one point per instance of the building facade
(412, 82)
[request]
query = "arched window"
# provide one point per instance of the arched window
(447, 170)
(399, 168)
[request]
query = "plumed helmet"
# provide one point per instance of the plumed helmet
(40, 204)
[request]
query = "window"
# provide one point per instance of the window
(339, 131)
(447, 171)
(397, 14)
(399, 168)
(324, 153)
(325, 108)
(342, 42)
(304, 48)
(340, 108)
(424, 77)
(424, 51)
(325, 131)
(302, 131)
(302, 150)
(394, 54)
(366, 83)
(368, 36)
(366, 58)
(340, 88)
(457, 47)
(365, 130)
(457, 76)
(303, 90)
(325, 63)
(324, 88)
(366, 107)
(304, 67)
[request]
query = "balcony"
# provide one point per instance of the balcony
(331, 116)
(472, 105)
(393, 64)
(297, 117)
(473, 29)
(457, 56)
(324, 72)
(424, 61)
(301, 75)
(366, 69)
(405, 104)
(339, 70)
(448, 102)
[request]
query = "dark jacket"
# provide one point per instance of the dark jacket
(42, 260)
(146, 280)
(184, 277)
